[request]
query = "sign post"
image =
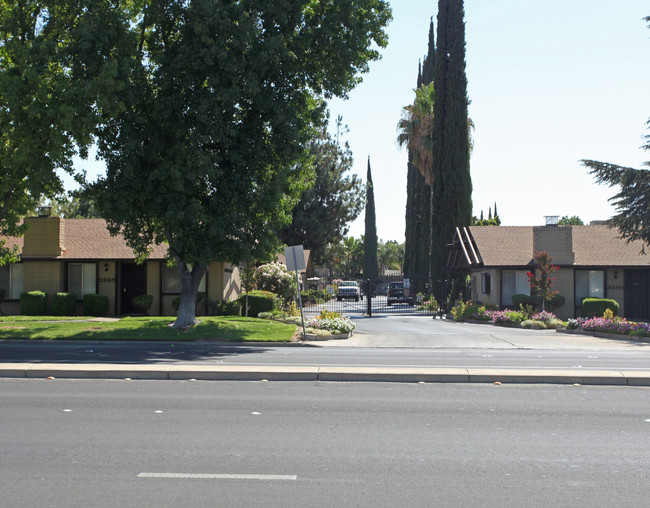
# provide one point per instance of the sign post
(295, 257)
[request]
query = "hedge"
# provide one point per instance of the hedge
(33, 303)
(64, 304)
(225, 308)
(258, 301)
(143, 303)
(95, 305)
(596, 307)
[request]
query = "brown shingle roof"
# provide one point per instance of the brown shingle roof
(90, 239)
(504, 245)
(593, 246)
(602, 246)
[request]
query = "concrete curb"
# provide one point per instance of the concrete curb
(316, 373)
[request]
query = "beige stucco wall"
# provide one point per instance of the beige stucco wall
(106, 284)
(153, 285)
(564, 285)
(494, 296)
(614, 280)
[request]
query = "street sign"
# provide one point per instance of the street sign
(295, 257)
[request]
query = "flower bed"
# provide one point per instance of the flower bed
(615, 325)
(464, 311)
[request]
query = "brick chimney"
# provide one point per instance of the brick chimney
(557, 241)
(45, 236)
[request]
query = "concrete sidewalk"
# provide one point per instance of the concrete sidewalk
(329, 373)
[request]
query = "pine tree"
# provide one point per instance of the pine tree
(452, 187)
(370, 242)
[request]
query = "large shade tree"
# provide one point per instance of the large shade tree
(208, 154)
(56, 76)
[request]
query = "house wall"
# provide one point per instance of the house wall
(232, 282)
(615, 288)
(153, 285)
(43, 276)
(106, 284)
(557, 241)
(494, 296)
(564, 285)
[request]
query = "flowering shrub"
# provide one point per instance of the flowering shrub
(482, 314)
(507, 316)
(543, 316)
(610, 325)
(274, 277)
(332, 324)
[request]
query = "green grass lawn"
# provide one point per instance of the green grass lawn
(224, 328)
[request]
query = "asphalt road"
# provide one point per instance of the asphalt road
(394, 342)
(147, 443)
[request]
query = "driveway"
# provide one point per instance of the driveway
(425, 332)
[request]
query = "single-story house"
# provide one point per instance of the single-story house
(80, 256)
(593, 261)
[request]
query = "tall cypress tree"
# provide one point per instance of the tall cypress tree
(370, 263)
(418, 201)
(451, 200)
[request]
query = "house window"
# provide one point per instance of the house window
(82, 279)
(513, 282)
(11, 280)
(172, 281)
(589, 284)
(486, 283)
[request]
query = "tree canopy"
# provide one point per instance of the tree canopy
(327, 207)
(56, 75)
(370, 241)
(223, 97)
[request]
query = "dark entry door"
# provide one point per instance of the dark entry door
(133, 282)
(636, 295)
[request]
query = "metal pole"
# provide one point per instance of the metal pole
(369, 295)
(302, 316)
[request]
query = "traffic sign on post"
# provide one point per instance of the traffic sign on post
(295, 259)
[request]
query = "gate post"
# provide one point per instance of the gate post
(368, 298)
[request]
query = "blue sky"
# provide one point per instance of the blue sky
(550, 82)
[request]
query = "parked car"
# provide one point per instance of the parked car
(399, 293)
(348, 289)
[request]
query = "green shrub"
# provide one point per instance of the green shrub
(532, 323)
(95, 305)
(64, 304)
(520, 299)
(143, 303)
(596, 307)
(225, 308)
(258, 301)
(556, 301)
(33, 303)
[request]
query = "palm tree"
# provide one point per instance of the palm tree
(415, 129)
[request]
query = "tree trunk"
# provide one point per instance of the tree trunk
(190, 281)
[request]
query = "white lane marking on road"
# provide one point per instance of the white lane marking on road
(206, 476)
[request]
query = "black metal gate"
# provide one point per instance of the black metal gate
(390, 295)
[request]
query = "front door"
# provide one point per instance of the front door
(636, 295)
(133, 282)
